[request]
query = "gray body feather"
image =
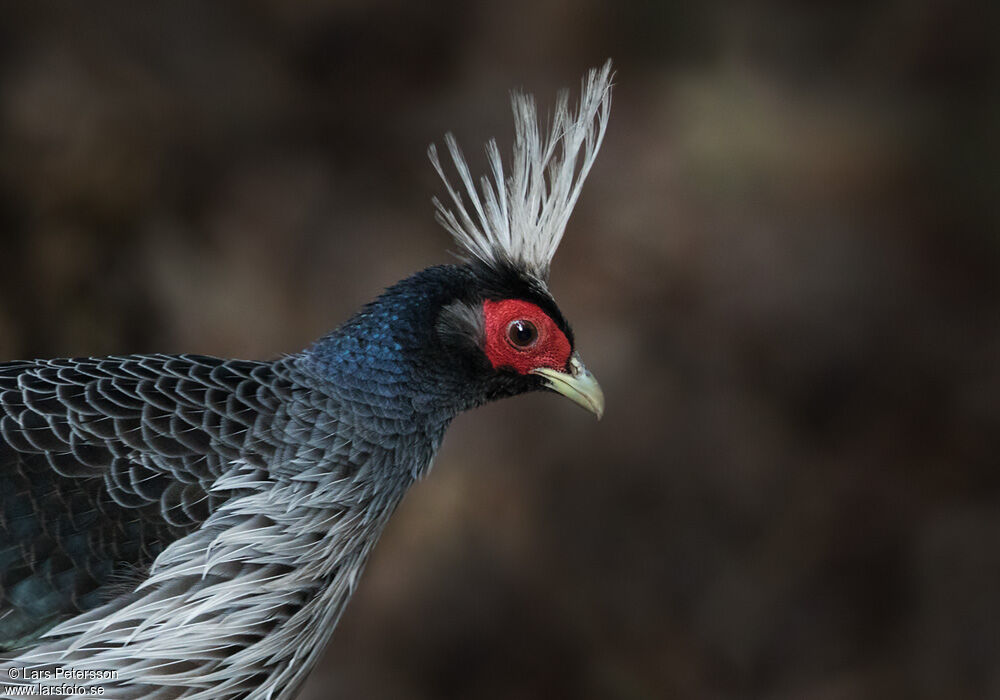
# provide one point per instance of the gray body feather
(247, 496)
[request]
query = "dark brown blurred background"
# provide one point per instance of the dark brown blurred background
(784, 270)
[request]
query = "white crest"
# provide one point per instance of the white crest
(520, 218)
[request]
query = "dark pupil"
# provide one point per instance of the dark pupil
(522, 332)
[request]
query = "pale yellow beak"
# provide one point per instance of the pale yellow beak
(578, 385)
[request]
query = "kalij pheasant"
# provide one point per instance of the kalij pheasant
(192, 527)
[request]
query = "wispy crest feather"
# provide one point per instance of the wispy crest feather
(520, 218)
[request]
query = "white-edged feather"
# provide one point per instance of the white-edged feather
(518, 219)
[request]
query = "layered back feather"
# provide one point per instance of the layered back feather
(520, 217)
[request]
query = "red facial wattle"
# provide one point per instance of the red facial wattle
(549, 349)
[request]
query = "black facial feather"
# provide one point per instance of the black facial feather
(461, 331)
(460, 325)
(507, 282)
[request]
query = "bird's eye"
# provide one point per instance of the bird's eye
(521, 333)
